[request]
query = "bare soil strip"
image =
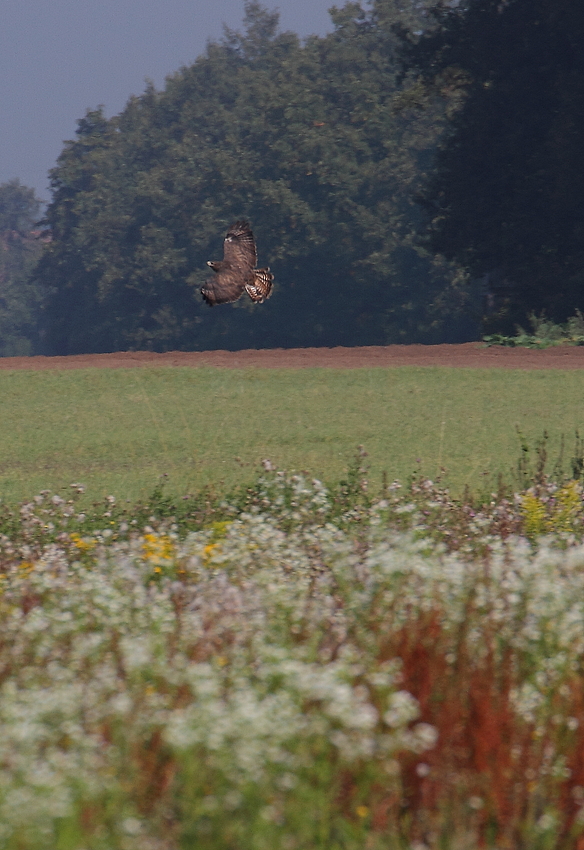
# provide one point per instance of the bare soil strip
(472, 355)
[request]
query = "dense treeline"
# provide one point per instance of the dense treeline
(308, 141)
(506, 194)
(415, 168)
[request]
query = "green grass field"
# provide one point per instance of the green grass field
(117, 431)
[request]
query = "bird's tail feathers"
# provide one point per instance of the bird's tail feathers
(260, 286)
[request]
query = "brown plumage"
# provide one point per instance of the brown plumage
(236, 272)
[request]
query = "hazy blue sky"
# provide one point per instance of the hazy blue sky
(58, 57)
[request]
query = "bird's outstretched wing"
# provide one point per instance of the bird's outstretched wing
(239, 248)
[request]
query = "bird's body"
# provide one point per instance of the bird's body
(236, 272)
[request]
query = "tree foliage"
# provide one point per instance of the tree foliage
(506, 197)
(20, 296)
(313, 142)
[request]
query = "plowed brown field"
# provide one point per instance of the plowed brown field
(470, 355)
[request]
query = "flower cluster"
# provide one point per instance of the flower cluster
(550, 508)
(304, 665)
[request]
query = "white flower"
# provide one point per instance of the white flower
(402, 709)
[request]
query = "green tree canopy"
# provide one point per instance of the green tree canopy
(19, 207)
(20, 296)
(506, 197)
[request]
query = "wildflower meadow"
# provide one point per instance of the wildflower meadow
(294, 666)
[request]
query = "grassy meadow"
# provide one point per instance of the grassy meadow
(295, 664)
(117, 431)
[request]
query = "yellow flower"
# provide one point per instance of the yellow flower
(219, 529)
(362, 811)
(157, 548)
(84, 544)
(218, 533)
(534, 514)
(560, 514)
(568, 506)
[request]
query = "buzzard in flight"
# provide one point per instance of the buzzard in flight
(236, 272)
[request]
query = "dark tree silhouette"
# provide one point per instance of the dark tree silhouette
(506, 197)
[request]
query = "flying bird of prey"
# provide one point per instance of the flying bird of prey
(236, 272)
